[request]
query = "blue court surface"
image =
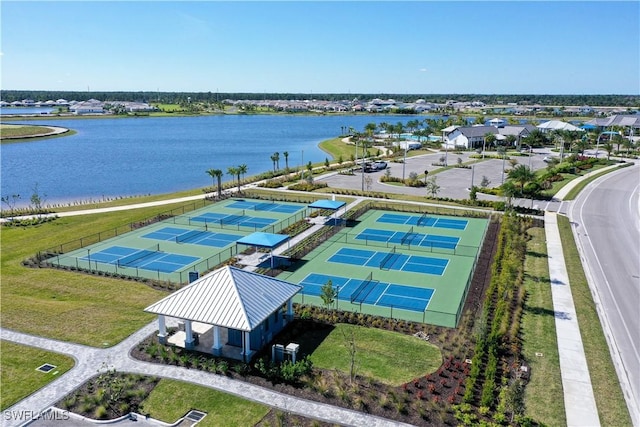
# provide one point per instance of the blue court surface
(146, 259)
(424, 221)
(221, 220)
(264, 206)
(196, 237)
(409, 238)
(373, 292)
(390, 261)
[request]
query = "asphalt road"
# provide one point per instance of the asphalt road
(606, 220)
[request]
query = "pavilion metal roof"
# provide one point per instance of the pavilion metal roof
(265, 240)
(327, 204)
(227, 297)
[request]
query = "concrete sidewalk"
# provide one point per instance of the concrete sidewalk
(579, 401)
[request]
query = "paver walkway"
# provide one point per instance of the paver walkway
(579, 401)
(89, 360)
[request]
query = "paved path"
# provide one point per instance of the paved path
(89, 360)
(579, 401)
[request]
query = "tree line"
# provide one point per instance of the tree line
(629, 101)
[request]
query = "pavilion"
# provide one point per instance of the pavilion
(229, 312)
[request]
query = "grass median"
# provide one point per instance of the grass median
(171, 400)
(544, 399)
(18, 375)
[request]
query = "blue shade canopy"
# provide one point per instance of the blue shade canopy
(264, 240)
(327, 204)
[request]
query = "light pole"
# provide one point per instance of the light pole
(404, 160)
(598, 144)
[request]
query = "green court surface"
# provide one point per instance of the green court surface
(401, 265)
(194, 241)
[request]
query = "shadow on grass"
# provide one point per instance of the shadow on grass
(536, 254)
(540, 311)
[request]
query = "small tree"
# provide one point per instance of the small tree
(328, 294)
(350, 344)
(11, 202)
(432, 187)
(368, 182)
(326, 162)
(36, 199)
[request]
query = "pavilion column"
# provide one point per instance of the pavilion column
(246, 345)
(162, 329)
(217, 346)
(290, 310)
(188, 340)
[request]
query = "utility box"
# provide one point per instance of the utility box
(292, 350)
(277, 352)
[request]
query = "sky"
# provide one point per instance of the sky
(415, 47)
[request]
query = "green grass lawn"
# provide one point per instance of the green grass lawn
(389, 357)
(66, 305)
(171, 400)
(18, 374)
(612, 408)
(544, 399)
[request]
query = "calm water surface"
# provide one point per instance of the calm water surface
(139, 156)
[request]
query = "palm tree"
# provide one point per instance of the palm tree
(216, 173)
(627, 144)
(508, 191)
(522, 174)
(276, 157)
(286, 159)
(233, 171)
(243, 169)
(212, 174)
(608, 147)
(273, 159)
(489, 139)
(617, 139)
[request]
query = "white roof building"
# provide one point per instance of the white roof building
(552, 125)
(242, 309)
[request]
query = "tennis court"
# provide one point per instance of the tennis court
(264, 206)
(424, 221)
(146, 259)
(240, 220)
(390, 261)
(199, 236)
(409, 237)
(370, 291)
(386, 264)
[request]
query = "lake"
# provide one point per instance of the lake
(113, 157)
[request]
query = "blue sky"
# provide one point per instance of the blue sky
(516, 47)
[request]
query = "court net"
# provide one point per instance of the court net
(362, 292)
(192, 235)
(127, 260)
(388, 257)
(423, 219)
(408, 235)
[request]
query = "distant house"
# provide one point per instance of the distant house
(229, 312)
(468, 136)
(92, 106)
(519, 131)
(552, 125)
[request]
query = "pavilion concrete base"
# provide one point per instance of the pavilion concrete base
(205, 342)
